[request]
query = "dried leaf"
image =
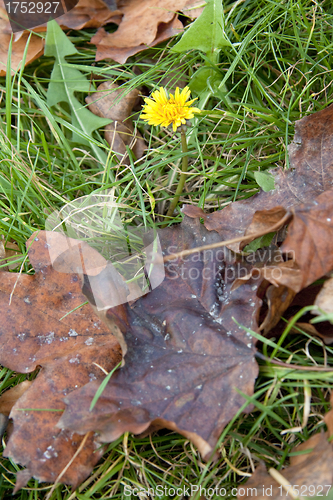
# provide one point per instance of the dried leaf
(110, 102)
(324, 299)
(106, 49)
(311, 472)
(278, 299)
(185, 354)
(35, 49)
(310, 174)
(139, 25)
(9, 398)
(32, 332)
(88, 14)
(307, 241)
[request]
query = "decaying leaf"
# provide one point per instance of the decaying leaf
(187, 357)
(34, 332)
(310, 174)
(311, 472)
(110, 102)
(185, 354)
(141, 25)
(308, 235)
(35, 49)
(9, 398)
(88, 14)
(120, 54)
(324, 299)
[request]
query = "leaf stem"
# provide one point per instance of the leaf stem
(219, 244)
(182, 178)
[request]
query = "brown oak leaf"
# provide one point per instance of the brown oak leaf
(186, 358)
(37, 331)
(310, 174)
(310, 473)
(111, 102)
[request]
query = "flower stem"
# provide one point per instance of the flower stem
(182, 178)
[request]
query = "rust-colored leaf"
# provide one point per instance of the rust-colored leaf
(9, 398)
(106, 49)
(310, 174)
(88, 14)
(35, 49)
(308, 235)
(110, 102)
(311, 471)
(34, 332)
(140, 22)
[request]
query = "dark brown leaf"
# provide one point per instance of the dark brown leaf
(278, 299)
(185, 354)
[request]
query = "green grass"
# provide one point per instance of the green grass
(279, 70)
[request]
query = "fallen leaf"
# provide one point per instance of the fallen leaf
(185, 354)
(140, 21)
(279, 298)
(308, 234)
(34, 332)
(141, 25)
(310, 472)
(110, 101)
(310, 174)
(106, 49)
(35, 48)
(187, 360)
(324, 298)
(9, 398)
(88, 14)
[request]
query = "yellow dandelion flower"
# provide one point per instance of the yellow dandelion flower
(163, 109)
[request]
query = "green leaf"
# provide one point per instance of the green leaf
(265, 180)
(263, 241)
(65, 81)
(205, 78)
(206, 33)
(102, 387)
